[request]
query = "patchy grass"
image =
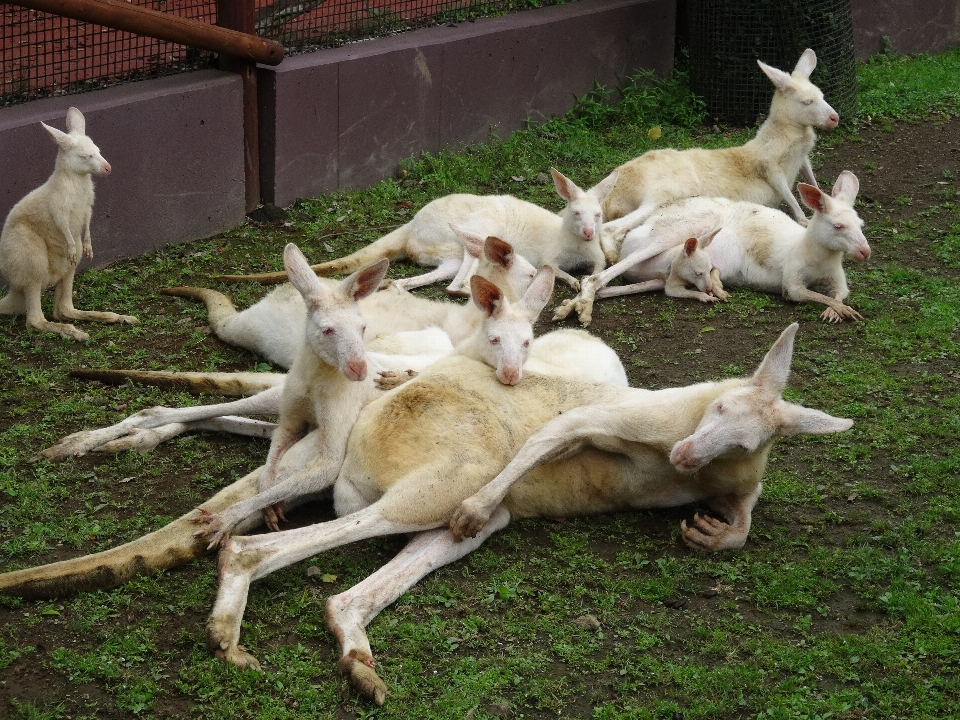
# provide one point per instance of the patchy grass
(843, 604)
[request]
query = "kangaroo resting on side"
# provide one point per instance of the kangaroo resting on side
(756, 247)
(762, 170)
(46, 231)
(566, 241)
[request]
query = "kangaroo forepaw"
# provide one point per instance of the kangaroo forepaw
(708, 533)
(358, 666)
(561, 311)
(238, 655)
(836, 316)
(390, 379)
(469, 519)
(211, 528)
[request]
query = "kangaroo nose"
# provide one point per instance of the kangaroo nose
(106, 168)
(833, 120)
(587, 233)
(509, 375)
(357, 369)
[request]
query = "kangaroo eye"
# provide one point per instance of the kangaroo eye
(838, 226)
(577, 213)
(526, 343)
(699, 274)
(363, 329)
(808, 102)
(719, 408)
(328, 331)
(494, 341)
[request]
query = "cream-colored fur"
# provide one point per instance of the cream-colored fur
(565, 241)
(561, 447)
(761, 171)
(755, 246)
(46, 231)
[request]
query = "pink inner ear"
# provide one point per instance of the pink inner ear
(499, 251)
(485, 294)
(811, 196)
(690, 245)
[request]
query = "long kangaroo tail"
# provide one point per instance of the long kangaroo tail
(168, 547)
(220, 308)
(198, 383)
(391, 246)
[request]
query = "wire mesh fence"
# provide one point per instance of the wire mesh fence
(727, 37)
(44, 54)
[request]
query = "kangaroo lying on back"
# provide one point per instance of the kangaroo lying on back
(565, 241)
(46, 231)
(756, 247)
(762, 171)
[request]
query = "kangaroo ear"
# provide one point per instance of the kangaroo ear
(471, 241)
(689, 246)
(539, 292)
(779, 78)
(846, 187)
(59, 137)
(774, 371)
(485, 294)
(75, 122)
(806, 64)
(705, 240)
(566, 188)
(299, 271)
(365, 282)
(798, 420)
(812, 197)
(605, 186)
(498, 251)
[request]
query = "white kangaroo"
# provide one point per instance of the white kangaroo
(269, 328)
(273, 327)
(756, 247)
(409, 467)
(566, 241)
(319, 404)
(46, 231)
(762, 170)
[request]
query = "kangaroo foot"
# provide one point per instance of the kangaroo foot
(359, 666)
(708, 533)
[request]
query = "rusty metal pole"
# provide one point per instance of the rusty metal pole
(241, 15)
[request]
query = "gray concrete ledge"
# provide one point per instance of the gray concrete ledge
(176, 148)
(344, 118)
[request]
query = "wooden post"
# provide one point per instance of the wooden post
(241, 15)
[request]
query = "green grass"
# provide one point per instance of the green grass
(843, 604)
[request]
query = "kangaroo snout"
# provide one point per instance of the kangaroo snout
(356, 369)
(587, 233)
(682, 457)
(832, 121)
(105, 168)
(509, 375)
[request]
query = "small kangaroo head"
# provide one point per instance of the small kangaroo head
(77, 152)
(692, 264)
(496, 260)
(583, 215)
(835, 223)
(798, 98)
(503, 341)
(743, 420)
(335, 327)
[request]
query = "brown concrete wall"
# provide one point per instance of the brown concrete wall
(344, 118)
(913, 26)
(175, 145)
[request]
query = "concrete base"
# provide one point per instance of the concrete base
(176, 148)
(912, 26)
(344, 118)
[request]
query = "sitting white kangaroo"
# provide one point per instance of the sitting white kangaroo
(756, 247)
(46, 231)
(762, 170)
(566, 241)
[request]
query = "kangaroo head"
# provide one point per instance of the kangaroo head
(496, 260)
(334, 330)
(503, 340)
(77, 152)
(692, 264)
(583, 215)
(835, 223)
(744, 419)
(799, 99)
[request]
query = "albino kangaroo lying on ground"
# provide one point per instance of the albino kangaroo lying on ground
(274, 326)
(46, 231)
(564, 241)
(268, 328)
(417, 454)
(756, 247)
(761, 171)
